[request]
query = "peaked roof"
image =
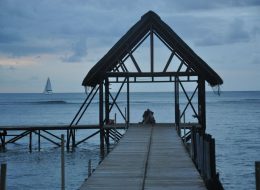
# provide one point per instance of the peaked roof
(131, 39)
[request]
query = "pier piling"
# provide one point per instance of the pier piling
(39, 140)
(257, 175)
(89, 168)
(3, 177)
(62, 164)
(30, 142)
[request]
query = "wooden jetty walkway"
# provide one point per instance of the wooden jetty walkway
(147, 157)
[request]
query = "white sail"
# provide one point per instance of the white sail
(48, 89)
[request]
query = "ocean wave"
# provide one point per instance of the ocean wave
(48, 102)
(51, 102)
(250, 101)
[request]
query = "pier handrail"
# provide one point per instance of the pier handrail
(202, 152)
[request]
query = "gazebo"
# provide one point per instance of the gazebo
(119, 65)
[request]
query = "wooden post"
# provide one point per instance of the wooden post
(152, 51)
(128, 101)
(177, 106)
(101, 118)
(89, 168)
(201, 103)
(193, 143)
(107, 111)
(125, 116)
(30, 142)
(62, 164)
(2, 137)
(257, 175)
(208, 157)
(3, 177)
(197, 149)
(68, 140)
(73, 139)
(39, 140)
(212, 158)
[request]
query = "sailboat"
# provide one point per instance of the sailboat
(48, 89)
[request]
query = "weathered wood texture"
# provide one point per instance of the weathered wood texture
(147, 158)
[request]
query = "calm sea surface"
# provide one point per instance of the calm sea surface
(233, 119)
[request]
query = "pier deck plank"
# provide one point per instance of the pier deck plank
(147, 158)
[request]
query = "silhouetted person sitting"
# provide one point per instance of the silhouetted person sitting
(148, 117)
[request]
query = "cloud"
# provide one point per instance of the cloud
(237, 32)
(12, 68)
(255, 61)
(34, 78)
(79, 51)
(234, 32)
(7, 68)
(7, 37)
(255, 31)
(26, 49)
(187, 5)
(40, 36)
(26, 26)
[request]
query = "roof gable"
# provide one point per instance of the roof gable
(150, 22)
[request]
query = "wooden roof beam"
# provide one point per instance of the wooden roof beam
(148, 74)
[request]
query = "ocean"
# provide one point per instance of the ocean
(233, 119)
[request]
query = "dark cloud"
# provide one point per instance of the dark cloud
(20, 49)
(30, 27)
(27, 25)
(7, 38)
(256, 31)
(234, 32)
(79, 51)
(186, 5)
(255, 61)
(237, 32)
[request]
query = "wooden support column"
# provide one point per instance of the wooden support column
(202, 103)
(68, 139)
(73, 138)
(2, 137)
(30, 141)
(39, 140)
(3, 176)
(101, 118)
(128, 100)
(257, 175)
(152, 51)
(107, 119)
(177, 105)
(62, 164)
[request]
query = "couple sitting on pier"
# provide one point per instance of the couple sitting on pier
(148, 117)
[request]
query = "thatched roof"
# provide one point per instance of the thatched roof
(131, 39)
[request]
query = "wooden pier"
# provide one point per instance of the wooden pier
(147, 157)
(11, 134)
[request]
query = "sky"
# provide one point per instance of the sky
(63, 39)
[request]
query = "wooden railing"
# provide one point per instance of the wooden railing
(202, 152)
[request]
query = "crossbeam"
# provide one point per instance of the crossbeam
(148, 74)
